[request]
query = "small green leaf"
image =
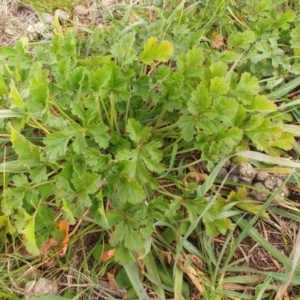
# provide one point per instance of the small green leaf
(116, 86)
(284, 18)
(153, 51)
(15, 96)
(29, 236)
(39, 91)
(123, 49)
(218, 86)
(241, 40)
(190, 64)
(86, 184)
(28, 153)
(261, 103)
(79, 144)
(187, 125)
(124, 256)
(129, 191)
(246, 88)
(12, 199)
(100, 135)
(136, 133)
(57, 142)
(99, 79)
(75, 78)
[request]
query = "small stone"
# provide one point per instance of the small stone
(43, 286)
(246, 172)
(262, 176)
(81, 10)
(283, 193)
(262, 194)
(269, 184)
(233, 178)
(62, 15)
(222, 173)
(228, 163)
(278, 181)
(235, 169)
(34, 30)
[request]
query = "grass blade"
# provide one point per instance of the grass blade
(153, 273)
(284, 89)
(178, 284)
(8, 113)
(133, 275)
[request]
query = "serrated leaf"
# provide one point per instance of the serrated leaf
(226, 108)
(241, 40)
(295, 33)
(136, 133)
(15, 96)
(246, 88)
(200, 99)
(123, 255)
(99, 79)
(129, 191)
(86, 183)
(187, 125)
(262, 104)
(251, 122)
(100, 134)
(75, 78)
(140, 160)
(285, 141)
(56, 143)
(29, 236)
(12, 199)
(27, 152)
(39, 91)
(123, 50)
(265, 135)
(79, 144)
(116, 86)
(218, 86)
(190, 64)
(218, 69)
(284, 18)
(153, 51)
(124, 233)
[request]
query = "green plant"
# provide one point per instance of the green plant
(95, 122)
(111, 119)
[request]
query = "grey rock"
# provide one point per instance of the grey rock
(62, 15)
(262, 176)
(262, 194)
(222, 173)
(246, 172)
(269, 183)
(43, 286)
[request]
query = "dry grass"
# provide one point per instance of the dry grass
(15, 18)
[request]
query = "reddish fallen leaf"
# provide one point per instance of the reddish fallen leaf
(108, 254)
(218, 41)
(63, 227)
